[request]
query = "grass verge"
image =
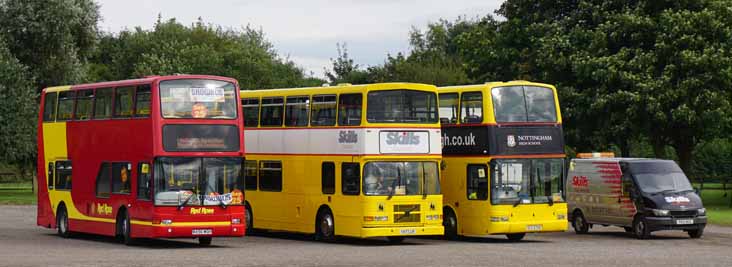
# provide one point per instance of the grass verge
(17, 194)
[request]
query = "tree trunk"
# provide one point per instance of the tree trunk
(624, 145)
(684, 152)
(659, 148)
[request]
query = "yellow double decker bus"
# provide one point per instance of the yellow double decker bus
(503, 153)
(347, 160)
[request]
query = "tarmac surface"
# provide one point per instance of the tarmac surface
(22, 243)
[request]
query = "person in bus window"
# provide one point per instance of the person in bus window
(199, 110)
(374, 181)
(123, 176)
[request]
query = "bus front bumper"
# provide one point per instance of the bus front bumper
(162, 231)
(367, 232)
(538, 226)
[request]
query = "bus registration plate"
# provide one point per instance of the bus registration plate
(533, 227)
(202, 232)
(685, 221)
(408, 231)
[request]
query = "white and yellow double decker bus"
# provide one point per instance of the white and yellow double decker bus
(503, 152)
(348, 160)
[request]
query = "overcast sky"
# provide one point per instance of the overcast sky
(307, 31)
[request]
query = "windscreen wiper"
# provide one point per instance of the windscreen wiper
(181, 205)
(550, 200)
(517, 202)
(393, 189)
(221, 202)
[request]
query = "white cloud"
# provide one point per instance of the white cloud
(306, 30)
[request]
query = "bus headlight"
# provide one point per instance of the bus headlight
(434, 217)
(166, 222)
(375, 218)
(499, 219)
(660, 212)
(561, 216)
(701, 212)
(235, 221)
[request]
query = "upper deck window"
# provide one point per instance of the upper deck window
(49, 107)
(65, 105)
(401, 106)
(524, 104)
(449, 108)
(250, 108)
(297, 111)
(272, 109)
(142, 101)
(123, 102)
(323, 110)
(349, 109)
(472, 107)
(84, 104)
(198, 99)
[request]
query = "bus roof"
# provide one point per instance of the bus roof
(493, 84)
(145, 80)
(341, 88)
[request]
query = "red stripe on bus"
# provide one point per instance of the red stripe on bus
(339, 127)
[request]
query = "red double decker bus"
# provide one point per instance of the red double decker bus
(158, 157)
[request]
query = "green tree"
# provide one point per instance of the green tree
(53, 38)
(18, 110)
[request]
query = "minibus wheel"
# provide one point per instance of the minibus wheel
(696, 233)
(640, 228)
(62, 222)
(579, 223)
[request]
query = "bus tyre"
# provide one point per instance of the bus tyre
(696, 233)
(395, 239)
(579, 223)
(204, 241)
(125, 229)
(62, 223)
(516, 237)
(249, 227)
(326, 226)
(450, 224)
(640, 228)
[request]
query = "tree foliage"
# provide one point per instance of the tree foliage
(171, 47)
(18, 110)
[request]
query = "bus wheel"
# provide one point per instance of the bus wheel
(450, 224)
(204, 241)
(395, 239)
(125, 229)
(516, 237)
(248, 220)
(62, 223)
(640, 228)
(579, 223)
(696, 233)
(326, 226)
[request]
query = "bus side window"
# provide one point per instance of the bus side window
(328, 177)
(272, 111)
(84, 104)
(142, 101)
(270, 176)
(250, 109)
(349, 109)
(124, 101)
(66, 105)
(49, 107)
(477, 188)
(51, 171)
(143, 181)
(121, 177)
(449, 108)
(104, 182)
(350, 178)
(323, 110)
(250, 172)
(296, 112)
(103, 103)
(63, 175)
(472, 107)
